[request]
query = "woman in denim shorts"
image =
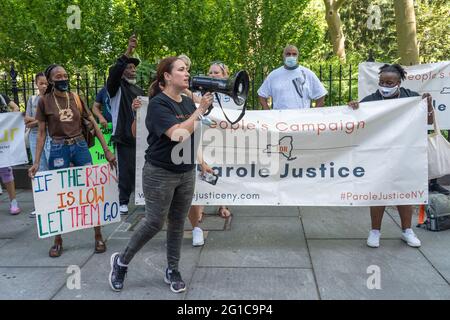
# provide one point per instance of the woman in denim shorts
(62, 112)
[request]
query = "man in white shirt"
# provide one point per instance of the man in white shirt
(291, 86)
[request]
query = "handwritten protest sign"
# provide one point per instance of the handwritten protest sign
(98, 156)
(76, 198)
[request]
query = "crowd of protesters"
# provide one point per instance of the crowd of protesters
(54, 119)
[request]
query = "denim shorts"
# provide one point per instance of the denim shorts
(6, 175)
(61, 155)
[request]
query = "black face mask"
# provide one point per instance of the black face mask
(62, 85)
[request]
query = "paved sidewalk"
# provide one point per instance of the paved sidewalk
(261, 253)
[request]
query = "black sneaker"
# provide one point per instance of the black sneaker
(173, 278)
(117, 274)
(436, 187)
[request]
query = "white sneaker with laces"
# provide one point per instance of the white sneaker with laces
(410, 238)
(373, 240)
(197, 237)
(123, 209)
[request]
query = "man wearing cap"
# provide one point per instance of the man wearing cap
(291, 86)
(122, 89)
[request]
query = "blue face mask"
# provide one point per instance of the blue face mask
(291, 62)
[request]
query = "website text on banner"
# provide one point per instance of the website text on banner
(75, 198)
(12, 140)
(313, 157)
(433, 78)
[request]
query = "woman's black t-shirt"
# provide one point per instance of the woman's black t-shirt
(163, 113)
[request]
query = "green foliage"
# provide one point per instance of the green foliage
(241, 33)
(433, 30)
(363, 42)
(432, 20)
(244, 34)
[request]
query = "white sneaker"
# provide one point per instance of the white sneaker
(197, 237)
(410, 238)
(123, 209)
(1, 190)
(32, 214)
(14, 208)
(373, 240)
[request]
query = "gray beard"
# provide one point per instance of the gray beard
(130, 81)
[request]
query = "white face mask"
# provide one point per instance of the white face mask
(130, 81)
(388, 92)
(291, 62)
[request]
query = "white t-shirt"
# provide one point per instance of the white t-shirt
(292, 89)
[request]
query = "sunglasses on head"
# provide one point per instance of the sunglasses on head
(220, 64)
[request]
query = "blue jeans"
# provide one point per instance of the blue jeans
(61, 155)
(32, 138)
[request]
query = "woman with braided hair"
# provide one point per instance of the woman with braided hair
(62, 112)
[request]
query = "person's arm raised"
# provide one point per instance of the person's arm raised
(116, 71)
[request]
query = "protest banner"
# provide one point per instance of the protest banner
(98, 156)
(332, 156)
(75, 198)
(12, 140)
(141, 147)
(433, 78)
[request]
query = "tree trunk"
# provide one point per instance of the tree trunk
(405, 18)
(335, 27)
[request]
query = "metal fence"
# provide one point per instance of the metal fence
(341, 83)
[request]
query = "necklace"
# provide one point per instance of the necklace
(65, 115)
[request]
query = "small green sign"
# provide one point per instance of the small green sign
(98, 156)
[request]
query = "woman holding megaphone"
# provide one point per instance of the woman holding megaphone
(217, 70)
(168, 180)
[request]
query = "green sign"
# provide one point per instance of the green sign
(98, 156)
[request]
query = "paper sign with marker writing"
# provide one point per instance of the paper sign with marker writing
(98, 156)
(75, 198)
